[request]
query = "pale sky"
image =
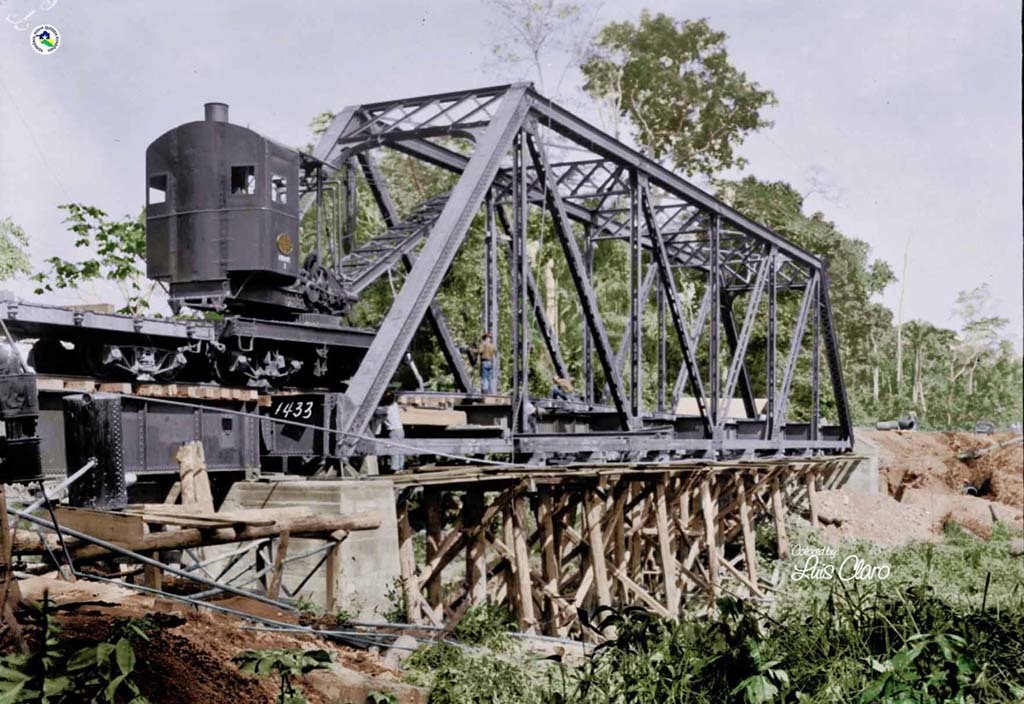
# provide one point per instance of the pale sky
(904, 118)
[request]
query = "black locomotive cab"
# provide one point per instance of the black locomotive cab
(222, 216)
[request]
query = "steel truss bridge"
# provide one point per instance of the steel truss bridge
(605, 191)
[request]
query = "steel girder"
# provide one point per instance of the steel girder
(614, 193)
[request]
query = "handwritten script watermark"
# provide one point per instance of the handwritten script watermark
(819, 563)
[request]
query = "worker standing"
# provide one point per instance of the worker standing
(487, 353)
(395, 429)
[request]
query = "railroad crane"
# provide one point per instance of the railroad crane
(262, 362)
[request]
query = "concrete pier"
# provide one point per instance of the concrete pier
(367, 560)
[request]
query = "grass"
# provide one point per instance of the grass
(943, 627)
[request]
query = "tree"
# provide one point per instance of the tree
(534, 29)
(118, 249)
(13, 246)
(674, 83)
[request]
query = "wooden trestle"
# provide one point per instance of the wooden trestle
(525, 537)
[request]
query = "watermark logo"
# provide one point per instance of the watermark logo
(820, 564)
(45, 39)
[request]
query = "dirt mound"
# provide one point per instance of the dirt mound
(931, 461)
(187, 659)
(878, 518)
(920, 516)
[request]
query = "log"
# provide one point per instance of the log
(316, 526)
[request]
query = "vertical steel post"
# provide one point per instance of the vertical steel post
(635, 304)
(588, 344)
(319, 208)
(715, 286)
(491, 284)
(816, 361)
(662, 358)
(523, 292)
(351, 215)
(771, 342)
(516, 300)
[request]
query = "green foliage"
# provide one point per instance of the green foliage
(59, 672)
(117, 250)
(13, 250)
(457, 675)
(883, 644)
(381, 698)
(487, 624)
(398, 601)
(286, 663)
(675, 84)
(962, 569)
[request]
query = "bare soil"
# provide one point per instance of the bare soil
(187, 659)
(924, 487)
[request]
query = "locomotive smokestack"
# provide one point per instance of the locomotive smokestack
(216, 112)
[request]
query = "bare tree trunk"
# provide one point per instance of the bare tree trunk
(874, 369)
(899, 320)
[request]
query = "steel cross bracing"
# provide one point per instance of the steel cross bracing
(711, 268)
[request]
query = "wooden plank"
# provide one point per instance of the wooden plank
(10, 592)
(173, 494)
(665, 547)
(105, 525)
(595, 536)
(274, 590)
(116, 387)
(811, 481)
(476, 555)
(527, 615)
(49, 383)
(746, 526)
(549, 561)
(79, 385)
(779, 514)
(407, 562)
(195, 482)
(332, 574)
(431, 417)
(710, 532)
(153, 576)
(432, 499)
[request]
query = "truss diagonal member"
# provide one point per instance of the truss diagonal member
(831, 339)
(386, 351)
(435, 316)
(678, 322)
(795, 343)
(696, 330)
(740, 353)
(577, 269)
(547, 333)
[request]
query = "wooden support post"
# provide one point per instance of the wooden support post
(195, 482)
(333, 576)
(749, 548)
(595, 537)
(153, 577)
(710, 531)
(274, 591)
(619, 552)
(779, 513)
(508, 537)
(811, 479)
(527, 616)
(476, 546)
(549, 561)
(10, 594)
(407, 563)
(665, 546)
(434, 510)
